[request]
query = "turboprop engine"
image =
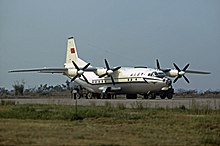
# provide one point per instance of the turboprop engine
(77, 72)
(72, 72)
(100, 71)
(177, 72)
(108, 71)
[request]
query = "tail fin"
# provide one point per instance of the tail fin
(71, 54)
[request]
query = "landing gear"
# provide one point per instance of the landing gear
(163, 94)
(107, 96)
(169, 95)
(152, 95)
(77, 95)
(89, 95)
(146, 96)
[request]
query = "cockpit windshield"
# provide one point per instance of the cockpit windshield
(157, 74)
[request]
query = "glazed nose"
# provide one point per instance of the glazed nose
(168, 81)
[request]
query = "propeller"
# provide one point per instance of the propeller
(80, 71)
(109, 71)
(181, 73)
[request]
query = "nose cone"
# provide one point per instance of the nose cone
(109, 72)
(181, 73)
(80, 72)
(168, 81)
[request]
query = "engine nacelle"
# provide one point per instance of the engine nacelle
(172, 73)
(72, 72)
(100, 71)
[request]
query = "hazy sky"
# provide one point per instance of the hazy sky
(126, 32)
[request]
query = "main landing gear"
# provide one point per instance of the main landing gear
(163, 94)
(83, 93)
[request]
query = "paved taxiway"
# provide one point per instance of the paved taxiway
(210, 103)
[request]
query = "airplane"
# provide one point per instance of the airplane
(103, 82)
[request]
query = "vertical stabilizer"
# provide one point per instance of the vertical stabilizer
(72, 55)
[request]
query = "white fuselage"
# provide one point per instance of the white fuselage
(127, 81)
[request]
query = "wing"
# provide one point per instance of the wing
(42, 70)
(50, 69)
(197, 72)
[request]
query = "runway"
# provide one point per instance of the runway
(189, 103)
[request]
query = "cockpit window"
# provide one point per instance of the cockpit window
(157, 74)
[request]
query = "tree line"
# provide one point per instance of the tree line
(19, 89)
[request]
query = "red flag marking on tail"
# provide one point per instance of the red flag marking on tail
(72, 50)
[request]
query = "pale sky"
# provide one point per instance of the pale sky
(126, 32)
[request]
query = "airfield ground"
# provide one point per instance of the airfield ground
(210, 103)
(51, 121)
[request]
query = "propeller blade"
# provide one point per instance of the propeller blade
(177, 68)
(113, 82)
(85, 67)
(186, 79)
(106, 64)
(184, 69)
(74, 78)
(85, 78)
(103, 75)
(158, 64)
(175, 79)
(76, 66)
(117, 68)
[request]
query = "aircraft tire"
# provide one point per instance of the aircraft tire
(89, 95)
(169, 95)
(163, 96)
(97, 96)
(152, 96)
(108, 96)
(145, 96)
(77, 96)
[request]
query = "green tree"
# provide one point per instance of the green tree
(19, 87)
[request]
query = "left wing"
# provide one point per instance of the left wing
(51, 69)
(42, 70)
